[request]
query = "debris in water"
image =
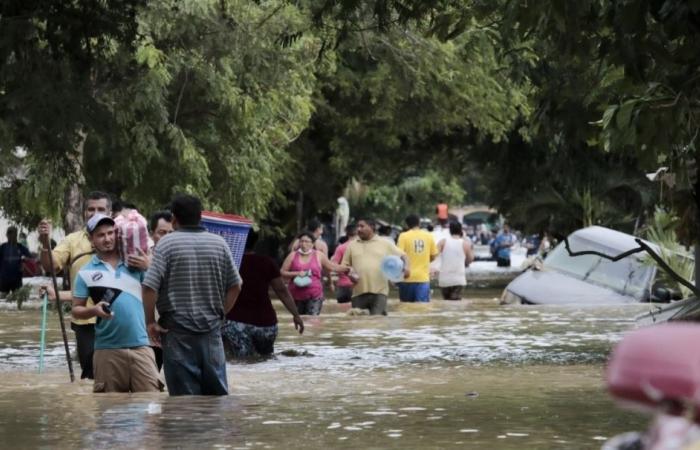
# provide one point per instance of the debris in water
(154, 408)
(291, 352)
(472, 394)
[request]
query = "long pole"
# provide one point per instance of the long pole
(60, 318)
(44, 302)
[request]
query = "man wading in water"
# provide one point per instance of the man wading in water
(74, 252)
(123, 360)
(365, 256)
(195, 281)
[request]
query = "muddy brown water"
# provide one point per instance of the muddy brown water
(467, 374)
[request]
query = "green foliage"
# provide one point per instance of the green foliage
(173, 96)
(393, 202)
(558, 107)
(661, 230)
(19, 296)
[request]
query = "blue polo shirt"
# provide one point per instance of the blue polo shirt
(121, 288)
(503, 252)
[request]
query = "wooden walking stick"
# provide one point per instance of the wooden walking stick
(60, 316)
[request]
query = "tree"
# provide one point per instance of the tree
(164, 96)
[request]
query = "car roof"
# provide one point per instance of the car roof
(615, 240)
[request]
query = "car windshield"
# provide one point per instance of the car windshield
(628, 276)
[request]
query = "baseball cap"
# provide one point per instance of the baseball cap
(97, 220)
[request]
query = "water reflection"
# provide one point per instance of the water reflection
(445, 375)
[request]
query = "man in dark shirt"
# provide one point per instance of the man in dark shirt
(11, 253)
(251, 326)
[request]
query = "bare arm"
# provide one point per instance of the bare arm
(406, 266)
(149, 297)
(80, 311)
(330, 265)
(45, 253)
(468, 252)
(286, 298)
(231, 296)
(64, 296)
(286, 265)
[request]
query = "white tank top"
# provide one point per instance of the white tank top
(452, 263)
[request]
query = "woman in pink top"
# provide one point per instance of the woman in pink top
(304, 267)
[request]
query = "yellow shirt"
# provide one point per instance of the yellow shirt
(419, 246)
(366, 258)
(74, 245)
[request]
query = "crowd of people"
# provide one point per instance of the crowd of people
(184, 306)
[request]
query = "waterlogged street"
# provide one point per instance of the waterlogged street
(467, 374)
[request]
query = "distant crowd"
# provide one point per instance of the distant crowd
(182, 304)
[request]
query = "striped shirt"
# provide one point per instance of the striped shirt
(192, 271)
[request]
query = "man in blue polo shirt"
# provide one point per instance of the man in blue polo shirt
(123, 360)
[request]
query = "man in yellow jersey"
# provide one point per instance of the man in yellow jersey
(420, 249)
(74, 251)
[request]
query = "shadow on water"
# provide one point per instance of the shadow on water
(464, 374)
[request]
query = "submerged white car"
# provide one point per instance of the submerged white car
(589, 279)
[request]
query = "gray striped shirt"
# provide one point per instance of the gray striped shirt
(192, 270)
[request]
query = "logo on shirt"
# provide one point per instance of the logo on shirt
(96, 276)
(418, 246)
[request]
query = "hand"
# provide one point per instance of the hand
(99, 312)
(44, 231)
(406, 273)
(298, 324)
(141, 261)
(154, 332)
(49, 291)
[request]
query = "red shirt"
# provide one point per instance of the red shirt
(343, 279)
(254, 306)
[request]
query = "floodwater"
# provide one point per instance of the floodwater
(467, 374)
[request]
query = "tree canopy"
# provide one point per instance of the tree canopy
(267, 108)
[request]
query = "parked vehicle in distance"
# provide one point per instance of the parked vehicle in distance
(589, 279)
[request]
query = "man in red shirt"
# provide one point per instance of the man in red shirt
(251, 325)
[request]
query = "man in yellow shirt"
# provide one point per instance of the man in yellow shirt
(420, 249)
(74, 251)
(365, 255)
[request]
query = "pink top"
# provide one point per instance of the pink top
(343, 279)
(315, 289)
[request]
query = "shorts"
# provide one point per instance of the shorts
(311, 307)
(125, 370)
(343, 294)
(414, 292)
(375, 303)
(452, 292)
(242, 340)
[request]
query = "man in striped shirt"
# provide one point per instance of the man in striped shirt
(198, 283)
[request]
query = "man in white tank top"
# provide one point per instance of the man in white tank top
(455, 253)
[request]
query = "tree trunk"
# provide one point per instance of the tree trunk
(73, 195)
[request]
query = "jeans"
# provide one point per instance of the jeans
(310, 307)
(194, 364)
